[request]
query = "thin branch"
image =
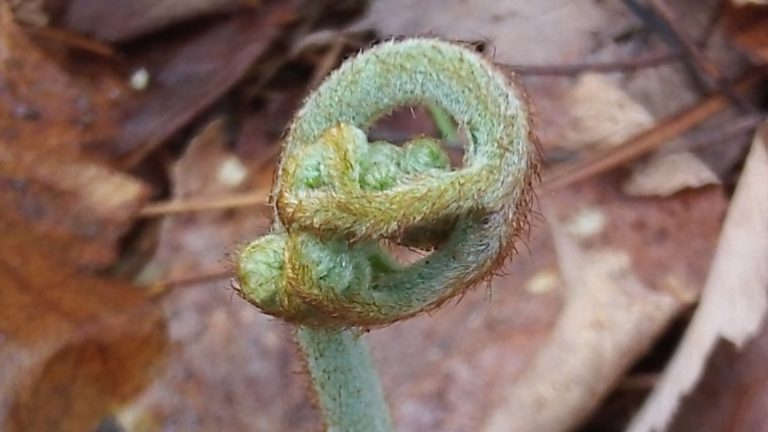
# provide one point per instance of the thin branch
(328, 62)
(163, 208)
(628, 65)
(717, 135)
(646, 141)
(162, 288)
(74, 40)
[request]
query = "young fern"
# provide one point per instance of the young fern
(337, 196)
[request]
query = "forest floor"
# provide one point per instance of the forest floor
(138, 142)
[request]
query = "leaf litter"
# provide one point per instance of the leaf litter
(733, 303)
(184, 107)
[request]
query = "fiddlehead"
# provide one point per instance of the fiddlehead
(337, 195)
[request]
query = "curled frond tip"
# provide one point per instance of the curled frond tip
(337, 196)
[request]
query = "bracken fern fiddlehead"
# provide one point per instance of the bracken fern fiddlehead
(337, 196)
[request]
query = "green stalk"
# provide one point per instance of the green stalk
(345, 380)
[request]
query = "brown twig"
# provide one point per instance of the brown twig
(646, 141)
(645, 61)
(252, 199)
(162, 288)
(717, 135)
(73, 40)
(329, 61)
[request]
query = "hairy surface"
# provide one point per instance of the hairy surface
(337, 195)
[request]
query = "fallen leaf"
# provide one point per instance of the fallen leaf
(30, 12)
(749, 2)
(664, 175)
(190, 71)
(78, 208)
(217, 170)
(586, 223)
(50, 101)
(599, 115)
(610, 318)
(733, 303)
(260, 133)
(444, 371)
(115, 21)
(60, 101)
(73, 347)
(733, 392)
(511, 27)
(747, 27)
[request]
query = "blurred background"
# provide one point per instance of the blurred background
(138, 141)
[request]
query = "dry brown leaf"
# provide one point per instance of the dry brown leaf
(72, 347)
(749, 2)
(50, 113)
(612, 231)
(511, 27)
(733, 304)
(599, 115)
(733, 393)
(217, 171)
(747, 27)
(78, 208)
(186, 74)
(52, 102)
(610, 318)
(61, 101)
(120, 20)
(667, 174)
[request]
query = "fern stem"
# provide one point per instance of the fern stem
(345, 380)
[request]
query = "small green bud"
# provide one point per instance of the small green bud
(424, 154)
(261, 271)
